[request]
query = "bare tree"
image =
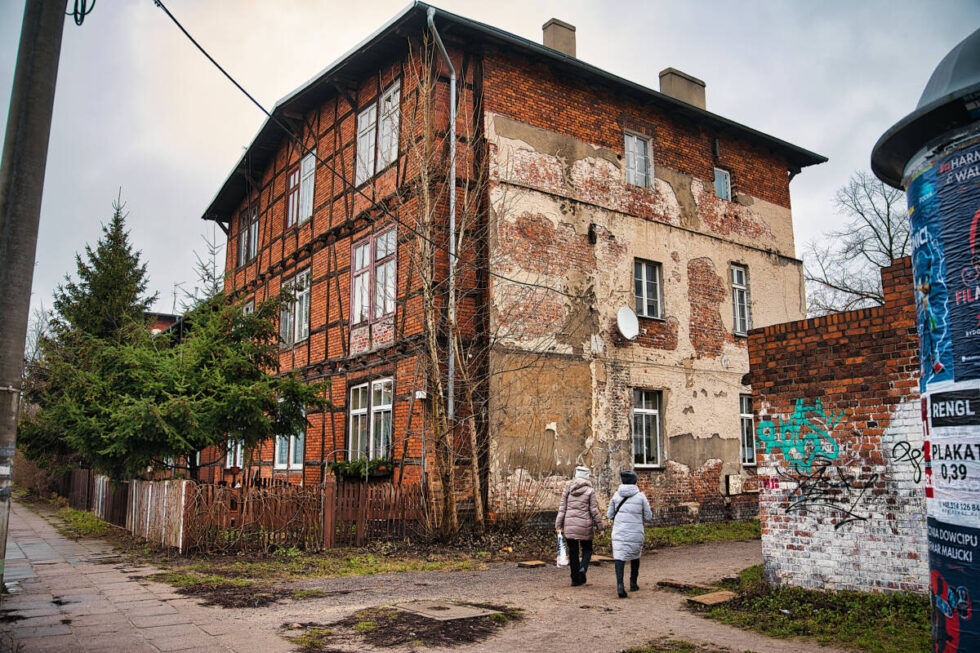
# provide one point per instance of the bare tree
(843, 271)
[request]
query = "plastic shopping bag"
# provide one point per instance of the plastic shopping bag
(562, 552)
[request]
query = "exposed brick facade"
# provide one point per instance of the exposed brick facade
(547, 263)
(842, 498)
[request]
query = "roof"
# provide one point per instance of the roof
(950, 100)
(390, 38)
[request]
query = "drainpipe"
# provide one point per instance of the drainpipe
(451, 407)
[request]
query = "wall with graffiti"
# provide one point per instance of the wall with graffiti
(840, 446)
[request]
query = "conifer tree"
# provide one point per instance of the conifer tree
(111, 285)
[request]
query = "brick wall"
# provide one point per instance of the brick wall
(839, 439)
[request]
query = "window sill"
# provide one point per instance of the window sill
(649, 467)
(284, 346)
(651, 318)
(277, 468)
(749, 465)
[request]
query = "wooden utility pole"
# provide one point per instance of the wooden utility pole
(25, 153)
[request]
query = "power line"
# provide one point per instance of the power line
(309, 151)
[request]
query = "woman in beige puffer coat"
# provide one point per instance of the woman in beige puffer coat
(578, 520)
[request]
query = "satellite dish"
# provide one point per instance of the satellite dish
(627, 323)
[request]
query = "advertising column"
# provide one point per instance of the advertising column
(943, 191)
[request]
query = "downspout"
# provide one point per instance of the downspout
(451, 405)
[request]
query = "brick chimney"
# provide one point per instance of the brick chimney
(682, 86)
(559, 36)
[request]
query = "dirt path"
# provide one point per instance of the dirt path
(557, 616)
(150, 616)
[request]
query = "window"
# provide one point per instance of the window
(740, 300)
(292, 198)
(646, 278)
(378, 148)
(289, 451)
(370, 420)
(637, 160)
(235, 455)
(748, 429)
(294, 316)
(307, 168)
(723, 184)
(646, 427)
(388, 144)
(248, 307)
(373, 277)
(299, 191)
(248, 237)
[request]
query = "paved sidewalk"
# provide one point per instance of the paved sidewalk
(79, 596)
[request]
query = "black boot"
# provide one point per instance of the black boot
(620, 568)
(634, 574)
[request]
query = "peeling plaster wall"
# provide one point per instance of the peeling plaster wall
(548, 191)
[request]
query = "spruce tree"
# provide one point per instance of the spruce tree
(111, 285)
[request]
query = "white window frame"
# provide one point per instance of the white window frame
(253, 236)
(388, 131)
(294, 316)
(292, 198)
(367, 128)
(724, 191)
(374, 277)
(747, 426)
(248, 237)
(291, 449)
(235, 453)
(361, 265)
(634, 144)
(643, 459)
(358, 420)
(741, 307)
(306, 185)
(642, 271)
(372, 419)
(377, 134)
(248, 307)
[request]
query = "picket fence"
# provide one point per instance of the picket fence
(156, 511)
(213, 519)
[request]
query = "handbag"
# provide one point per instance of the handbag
(562, 560)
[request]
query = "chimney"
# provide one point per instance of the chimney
(682, 86)
(559, 36)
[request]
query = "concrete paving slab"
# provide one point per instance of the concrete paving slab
(77, 602)
(160, 620)
(61, 643)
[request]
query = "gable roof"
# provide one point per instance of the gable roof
(390, 37)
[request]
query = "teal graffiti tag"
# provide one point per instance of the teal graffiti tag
(804, 437)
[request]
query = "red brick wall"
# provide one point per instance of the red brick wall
(532, 92)
(842, 502)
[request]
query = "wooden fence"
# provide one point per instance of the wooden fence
(221, 519)
(96, 493)
(260, 518)
(156, 511)
(357, 512)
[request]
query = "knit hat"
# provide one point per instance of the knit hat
(628, 477)
(582, 473)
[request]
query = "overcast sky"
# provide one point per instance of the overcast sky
(138, 107)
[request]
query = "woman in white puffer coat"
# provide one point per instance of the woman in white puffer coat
(628, 509)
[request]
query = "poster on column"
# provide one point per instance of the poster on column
(958, 190)
(944, 208)
(929, 277)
